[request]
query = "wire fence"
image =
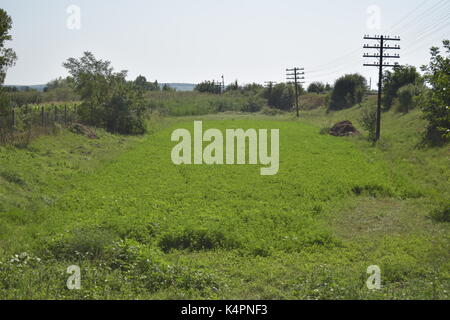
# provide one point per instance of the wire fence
(18, 125)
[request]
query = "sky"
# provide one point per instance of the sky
(246, 40)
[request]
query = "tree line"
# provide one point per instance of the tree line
(110, 101)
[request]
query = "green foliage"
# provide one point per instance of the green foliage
(166, 87)
(314, 227)
(109, 101)
(393, 81)
(408, 97)
(141, 83)
(233, 86)
(436, 109)
(81, 243)
(209, 87)
(7, 56)
(442, 212)
(271, 111)
(196, 239)
(316, 87)
(368, 120)
(280, 96)
(348, 91)
(254, 104)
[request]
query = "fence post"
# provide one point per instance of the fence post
(42, 116)
(65, 114)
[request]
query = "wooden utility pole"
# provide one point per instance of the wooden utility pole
(295, 75)
(381, 47)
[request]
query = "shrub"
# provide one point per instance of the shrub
(348, 91)
(209, 87)
(280, 96)
(84, 242)
(109, 101)
(254, 104)
(436, 110)
(393, 81)
(316, 87)
(368, 120)
(405, 98)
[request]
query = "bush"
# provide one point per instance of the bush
(405, 98)
(209, 87)
(368, 120)
(124, 117)
(109, 101)
(392, 82)
(280, 96)
(81, 243)
(436, 109)
(254, 104)
(348, 91)
(316, 87)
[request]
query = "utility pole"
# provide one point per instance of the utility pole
(381, 47)
(295, 75)
(223, 84)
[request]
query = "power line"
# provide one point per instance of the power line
(437, 7)
(382, 56)
(296, 74)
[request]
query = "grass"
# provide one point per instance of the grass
(194, 103)
(142, 228)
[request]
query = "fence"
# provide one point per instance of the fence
(22, 123)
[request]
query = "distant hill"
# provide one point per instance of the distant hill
(177, 86)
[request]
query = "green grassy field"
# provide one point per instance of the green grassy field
(140, 227)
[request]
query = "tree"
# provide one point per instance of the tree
(166, 87)
(141, 83)
(280, 96)
(316, 87)
(233, 86)
(348, 91)
(436, 110)
(393, 81)
(7, 56)
(109, 101)
(209, 87)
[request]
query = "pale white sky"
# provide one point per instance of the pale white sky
(248, 40)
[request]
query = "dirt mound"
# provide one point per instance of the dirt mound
(343, 129)
(79, 128)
